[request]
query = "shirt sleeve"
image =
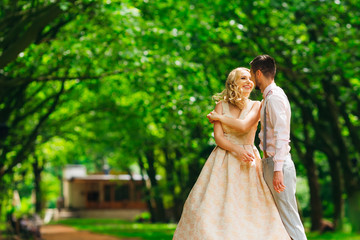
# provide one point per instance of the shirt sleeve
(280, 121)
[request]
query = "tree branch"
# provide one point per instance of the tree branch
(10, 53)
(32, 137)
(14, 82)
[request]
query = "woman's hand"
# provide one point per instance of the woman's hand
(213, 116)
(244, 155)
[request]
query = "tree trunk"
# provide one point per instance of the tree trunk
(146, 191)
(316, 212)
(315, 200)
(160, 210)
(337, 191)
(327, 146)
(37, 170)
(171, 182)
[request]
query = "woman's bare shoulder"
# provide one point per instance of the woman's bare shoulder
(255, 103)
(219, 106)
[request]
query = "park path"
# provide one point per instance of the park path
(61, 232)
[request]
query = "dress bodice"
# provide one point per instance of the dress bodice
(232, 134)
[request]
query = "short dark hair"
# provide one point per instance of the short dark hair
(265, 64)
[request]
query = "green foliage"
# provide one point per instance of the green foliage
(118, 81)
(143, 217)
(26, 208)
(302, 190)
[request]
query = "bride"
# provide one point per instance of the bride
(230, 199)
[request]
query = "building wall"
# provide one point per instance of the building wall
(74, 194)
(66, 193)
(77, 195)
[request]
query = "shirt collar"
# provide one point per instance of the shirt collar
(268, 89)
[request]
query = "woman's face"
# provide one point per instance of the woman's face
(244, 82)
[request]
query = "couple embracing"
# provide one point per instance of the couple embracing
(238, 195)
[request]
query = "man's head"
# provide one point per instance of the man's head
(263, 70)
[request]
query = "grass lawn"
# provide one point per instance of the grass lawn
(333, 236)
(161, 231)
(120, 228)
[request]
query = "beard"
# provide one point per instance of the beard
(257, 83)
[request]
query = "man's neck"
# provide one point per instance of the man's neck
(267, 83)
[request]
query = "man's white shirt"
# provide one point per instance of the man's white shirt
(278, 116)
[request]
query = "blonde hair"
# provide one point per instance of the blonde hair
(231, 92)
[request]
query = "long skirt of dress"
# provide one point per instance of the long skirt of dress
(230, 200)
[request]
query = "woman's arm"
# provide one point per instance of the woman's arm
(240, 125)
(222, 142)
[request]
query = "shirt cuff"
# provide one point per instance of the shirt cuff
(278, 165)
(282, 151)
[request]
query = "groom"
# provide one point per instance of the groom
(278, 167)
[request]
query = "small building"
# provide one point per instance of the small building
(102, 195)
